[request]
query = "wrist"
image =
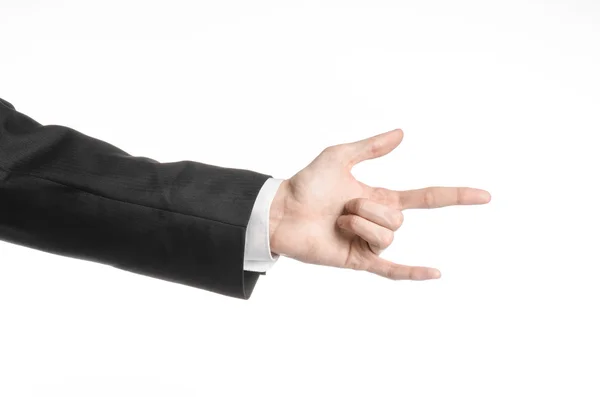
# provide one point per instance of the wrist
(276, 214)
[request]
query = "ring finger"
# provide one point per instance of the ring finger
(378, 237)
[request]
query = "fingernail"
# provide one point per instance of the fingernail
(485, 196)
(434, 273)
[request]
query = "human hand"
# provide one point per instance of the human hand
(323, 215)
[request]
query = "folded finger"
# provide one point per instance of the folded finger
(378, 237)
(380, 214)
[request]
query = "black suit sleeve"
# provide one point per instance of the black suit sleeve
(67, 193)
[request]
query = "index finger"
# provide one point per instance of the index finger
(431, 197)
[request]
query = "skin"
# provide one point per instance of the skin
(323, 215)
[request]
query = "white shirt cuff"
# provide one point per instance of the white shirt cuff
(257, 251)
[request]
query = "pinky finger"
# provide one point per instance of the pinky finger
(396, 271)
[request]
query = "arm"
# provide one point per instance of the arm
(66, 193)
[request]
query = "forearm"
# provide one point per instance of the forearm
(64, 192)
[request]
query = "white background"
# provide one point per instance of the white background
(503, 96)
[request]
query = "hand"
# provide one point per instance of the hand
(323, 215)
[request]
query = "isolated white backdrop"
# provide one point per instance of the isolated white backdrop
(503, 96)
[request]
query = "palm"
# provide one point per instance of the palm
(332, 219)
(318, 195)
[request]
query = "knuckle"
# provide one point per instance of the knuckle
(400, 201)
(330, 151)
(378, 194)
(461, 195)
(359, 205)
(412, 274)
(376, 147)
(429, 198)
(387, 239)
(361, 265)
(400, 218)
(396, 219)
(368, 267)
(389, 272)
(353, 221)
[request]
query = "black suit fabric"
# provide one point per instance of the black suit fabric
(67, 193)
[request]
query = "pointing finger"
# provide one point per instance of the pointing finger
(430, 197)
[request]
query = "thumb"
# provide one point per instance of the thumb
(373, 147)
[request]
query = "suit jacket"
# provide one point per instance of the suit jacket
(67, 193)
